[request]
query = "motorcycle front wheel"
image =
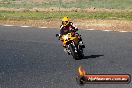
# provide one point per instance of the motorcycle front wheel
(73, 53)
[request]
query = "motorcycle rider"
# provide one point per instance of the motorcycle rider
(69, 26)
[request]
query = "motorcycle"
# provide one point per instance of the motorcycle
(71, 41)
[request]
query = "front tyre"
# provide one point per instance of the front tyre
(73, 53)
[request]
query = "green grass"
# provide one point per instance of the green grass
(114, 4)
(14, 15)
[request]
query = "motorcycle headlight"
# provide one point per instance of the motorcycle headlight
(65, 37)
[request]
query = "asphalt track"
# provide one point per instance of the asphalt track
(34, 58)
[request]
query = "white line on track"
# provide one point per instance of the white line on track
(90, 29)
(8, 25)
(25, 26)
(43, 27)
(107, 30)
(85, 29)
(123, 31)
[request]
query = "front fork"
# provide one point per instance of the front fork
(74, 47)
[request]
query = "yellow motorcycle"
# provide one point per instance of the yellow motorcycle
(71, 41)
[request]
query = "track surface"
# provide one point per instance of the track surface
(34, 58)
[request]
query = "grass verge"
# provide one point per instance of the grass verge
(99, 20)
(32, 15)
(114, 4)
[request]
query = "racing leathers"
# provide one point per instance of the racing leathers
(70, 27)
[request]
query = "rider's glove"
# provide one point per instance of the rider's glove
(73, 30)
(59, 36)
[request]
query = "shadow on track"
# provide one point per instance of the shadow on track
(91, 56)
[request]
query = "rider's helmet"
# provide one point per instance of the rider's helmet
(65, 21)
